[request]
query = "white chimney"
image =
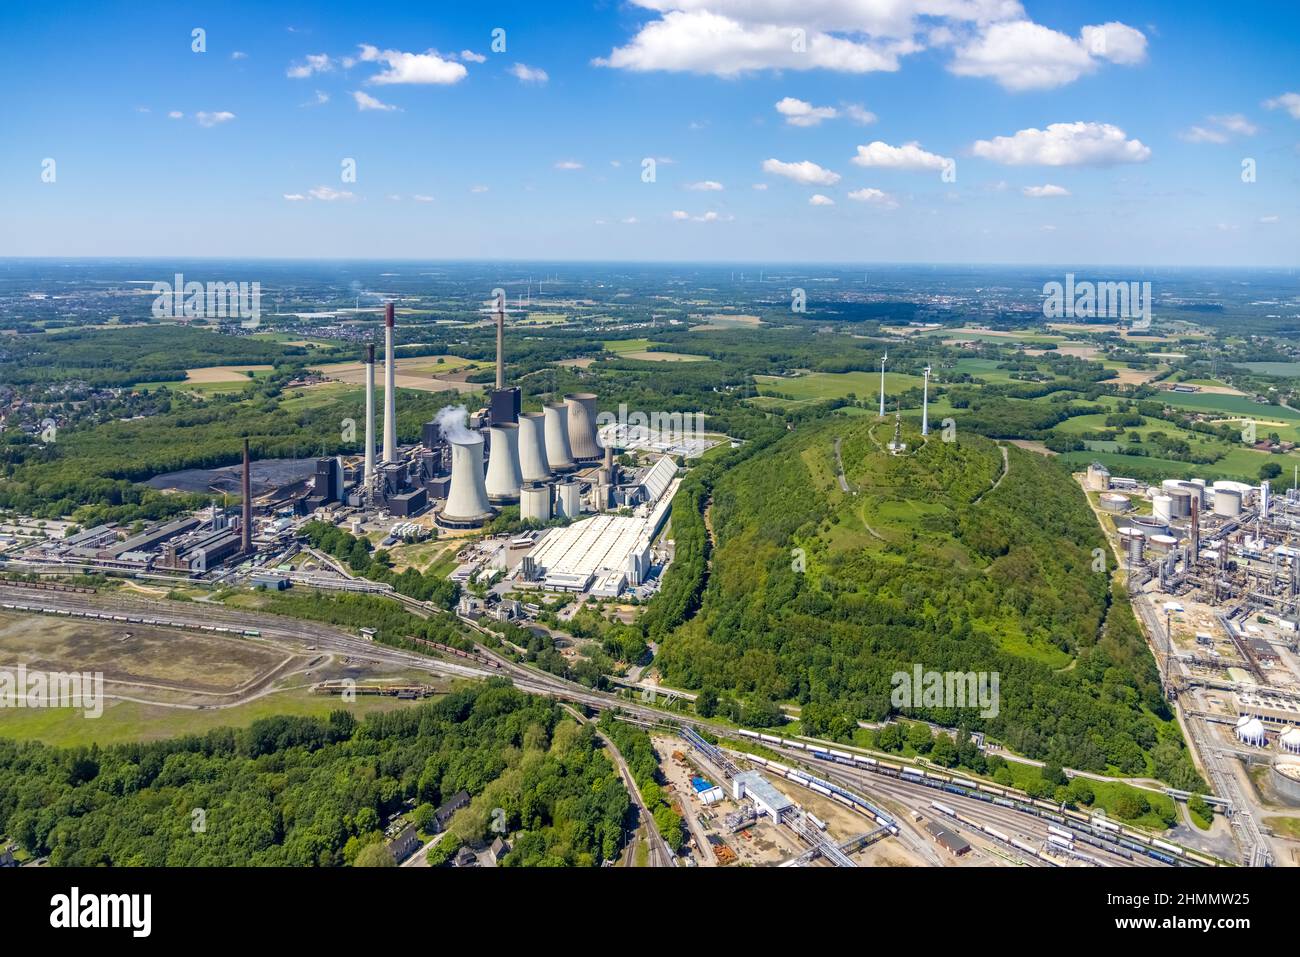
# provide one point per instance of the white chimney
(370, 415)
(390, 389)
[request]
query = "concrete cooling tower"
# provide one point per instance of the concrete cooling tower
(582, 425)
(467, 498)
(532, 447)
(557, 437)
(503, 475)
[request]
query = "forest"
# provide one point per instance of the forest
(816, 597)
(304, 792)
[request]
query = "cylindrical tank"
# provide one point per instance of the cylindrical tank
(582, 425)
(1149, 524)
(558, 454)
(1113, 502)
(467, 498)
(535, 503)
(1162, 506)
(532, 447)
(1180, 502)
(568, 500)
(1162, 544)
(503, 475)
(1134, 544)
(1227, 503)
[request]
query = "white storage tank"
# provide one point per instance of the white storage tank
(1162, 506)
(1113, 502)
(1227, 503)
(568, 500)
(1251, 731)
(535, 503)
(1180, 500)
(1134, 543)
(1162, 544)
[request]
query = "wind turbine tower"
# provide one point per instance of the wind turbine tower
(925, 404)
(883, 360)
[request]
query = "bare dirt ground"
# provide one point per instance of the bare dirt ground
(418, 372)
(222, 373)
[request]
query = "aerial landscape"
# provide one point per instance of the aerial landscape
(669, 434)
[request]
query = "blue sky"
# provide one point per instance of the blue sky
(1081, 132)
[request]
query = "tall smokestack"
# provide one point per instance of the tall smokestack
(370, 415)
(246, 525)
(390, 393)
(501, 337)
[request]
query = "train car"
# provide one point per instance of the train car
(841, 798)
(1003, 802)
(817, 822)
(912, 774)
(798, 778)
(770, 739)
(1060, 842)
(935, 777)
(998, 834)
(1163, 858)
(1104, 824)
(1060, 832)
(820, 788)
(954, 789)
(963, 783)
(1164, 846)
(775, 766)
(869, 762)
(746, 734)
(840, 754)
(944, 808)
(884, 767)
(817, 749)
(1021, 845)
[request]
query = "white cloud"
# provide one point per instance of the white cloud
(365, 101)
(706, 186)
(212, 119)
(1287, 101)
(1023, 55)
(629, 221)
(1269, 219)
(320, 99)
(803, 113)
(421, 198)
(528, 74)
(239, 55)
(761, 187)
(1236, 123)
(295, 197)
(701, 41)
(472, 57)
(1046, 191)
(1199, 134)
(881, 155)
(876, 197)
(680, 214)
(805, 172)
(817, 199)
(328, 194)
(175, 115)
(419, 68)
(1219, 129)
(479, 188)
(568, 165)
(314, 63)
(859, 114)
(1064, 144)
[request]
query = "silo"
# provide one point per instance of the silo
(1134, 543)
(1163, 544)
(1180, 503)
(557, 437)
(1227, 503)
(535, 503)
(582, 425)
(568, 500)
(1162, 506)
(467, 498)
(1113, 502)
(503, 474)
(532, 447)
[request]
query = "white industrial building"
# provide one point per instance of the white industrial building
(767, 799)
(612, 548)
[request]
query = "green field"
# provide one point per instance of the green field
(819, 386)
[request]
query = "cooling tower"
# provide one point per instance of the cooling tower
(532, 447)
(390, 395)
(582, 425)
(467, 499)
(557, 437)
(369, 474)
(503, 475)
(535, 503)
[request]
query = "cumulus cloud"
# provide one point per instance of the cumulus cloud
(803, 113)
(417, 68)
(909, 156)
(991, 38)
(1046, 191)
(528, 74)
(421, 198)
(320, 99)
(859, 114)
(1287, 101)
(313, 64)
(1219, 129)
(1023, 55)
(875, 197)
(239, 55)
(1064, 144)
(328, 194)
(705, 185)
(213, 119)
(175, 115)
(568, 165)
(680, 215)
(365, 101)
(471, 57)
(817, 199)
(805, 172)
(295, 197)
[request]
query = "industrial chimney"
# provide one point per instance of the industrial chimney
(501, 336)
(369, 475)
(467, 498)
(390, 395)
(503, 474)
(532, 447)
(582, 425)
(557, 437)
(246, 523)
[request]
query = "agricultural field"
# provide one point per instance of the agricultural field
(819, 386)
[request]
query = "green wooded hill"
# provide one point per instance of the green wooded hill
(934, 557)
